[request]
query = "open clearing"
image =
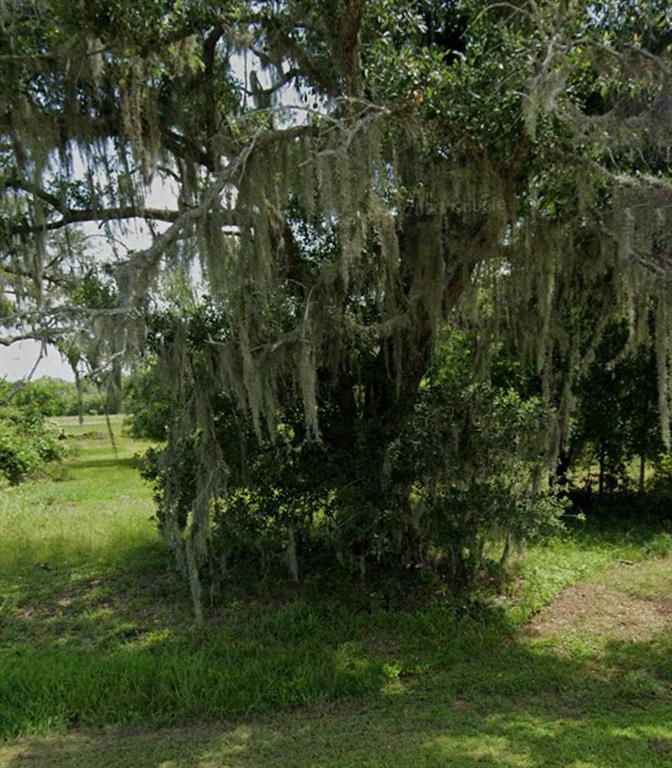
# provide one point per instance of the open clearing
(100, 666)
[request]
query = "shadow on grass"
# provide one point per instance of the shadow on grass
(506, 705)
(616, 529)
(89, 648)
(41, 571)
(105, 463)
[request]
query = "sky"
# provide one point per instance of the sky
(17, 361)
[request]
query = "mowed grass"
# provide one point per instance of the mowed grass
(95, 632)
(98, 512)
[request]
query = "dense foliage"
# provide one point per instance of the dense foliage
(617, 414)
(147, 401)
(28, 445)
(465, 473)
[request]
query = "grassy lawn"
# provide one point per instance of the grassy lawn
(101, 667)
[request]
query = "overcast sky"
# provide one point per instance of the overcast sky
(17, 361)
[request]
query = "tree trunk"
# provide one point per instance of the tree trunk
(194, 582)
(559, 477)
(503, 560)
(113, 393)
(600, 487)
(292, 560)
(642, 472)
(80, 398)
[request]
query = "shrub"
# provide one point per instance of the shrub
(473, 456)
(660, 545)
(462, 481)
(147, 402)
(45, 396)
(27, 444)
(660, 485)
(53, 397)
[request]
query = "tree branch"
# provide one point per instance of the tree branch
(80, 216)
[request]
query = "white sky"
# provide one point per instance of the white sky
(17, 361)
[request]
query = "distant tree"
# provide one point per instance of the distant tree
(43, 397)
(617, 410)
(148, 402)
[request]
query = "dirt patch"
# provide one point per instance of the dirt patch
(617, 606)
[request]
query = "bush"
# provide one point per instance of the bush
(460, 483)
(27, 444)
(45, 396)
(660, 485)
(147, 402)
(660, 545)
(474, 459)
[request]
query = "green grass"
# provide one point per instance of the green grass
(95, 631)
(99, 512)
